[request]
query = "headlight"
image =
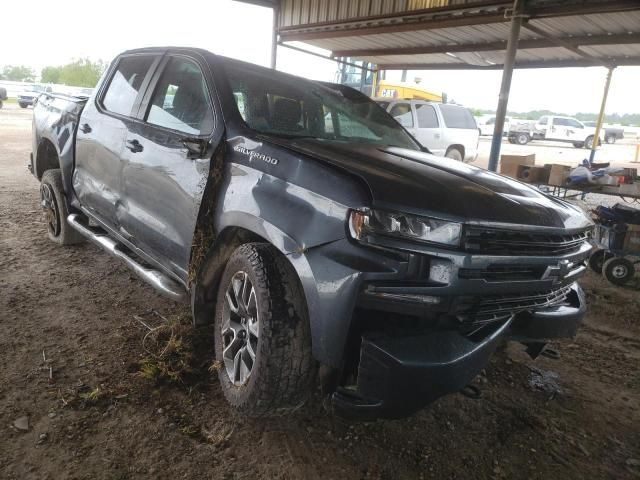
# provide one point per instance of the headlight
(402, 225)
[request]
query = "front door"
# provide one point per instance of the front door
(168, 161)
(101, 135)
(558, 129)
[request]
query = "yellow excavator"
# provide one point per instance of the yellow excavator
(363, 76)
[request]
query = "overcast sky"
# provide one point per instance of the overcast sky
(56, 32)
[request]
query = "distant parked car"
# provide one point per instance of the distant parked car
(557, 129)
(447, 130)
(29, 95)
(611, 134)
(487, 124)
(3, 95)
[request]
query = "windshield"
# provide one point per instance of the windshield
(277, 104)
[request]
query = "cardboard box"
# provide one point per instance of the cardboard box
(509, 163)
(632, 239)
(558, 175)
(532, 174)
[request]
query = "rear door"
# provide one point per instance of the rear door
(168, 161)
(101, 135)
(429, 132)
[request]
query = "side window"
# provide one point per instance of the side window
(491, 121)
(427, 117)
(125, 83)
(180, 100)
(559, 122)
(402, 113)
(573, 123)
(543, 120)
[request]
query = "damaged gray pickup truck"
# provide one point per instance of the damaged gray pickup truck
(325, 245)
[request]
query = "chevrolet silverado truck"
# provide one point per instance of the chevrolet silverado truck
(556, 129)
(329, 250)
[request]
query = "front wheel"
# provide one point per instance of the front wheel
(588, 142)
(610, 139)
(618, 270)
(262, 333)
(54, 205)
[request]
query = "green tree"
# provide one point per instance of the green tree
(17, 73)
(81, 72)
(50, 75)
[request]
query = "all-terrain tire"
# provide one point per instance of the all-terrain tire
(58, 229)
(283, 372)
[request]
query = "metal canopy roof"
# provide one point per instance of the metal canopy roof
(459, 34)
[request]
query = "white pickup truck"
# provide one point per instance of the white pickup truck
(557, 129)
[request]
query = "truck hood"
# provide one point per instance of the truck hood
(423, 184)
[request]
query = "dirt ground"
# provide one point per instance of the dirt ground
(78, 361)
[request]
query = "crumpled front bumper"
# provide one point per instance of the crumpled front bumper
(399, 375)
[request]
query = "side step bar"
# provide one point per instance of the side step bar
(158, 280)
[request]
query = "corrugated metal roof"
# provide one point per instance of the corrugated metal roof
(376, 31)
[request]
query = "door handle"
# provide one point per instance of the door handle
(437, 135)
(85, 128)
(135, 146)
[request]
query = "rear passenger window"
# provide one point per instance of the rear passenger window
(125, 83)
(402, 113)
(458, 117)
(426, 116)
(180, 100)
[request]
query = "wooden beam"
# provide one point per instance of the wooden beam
(619, 39)
(579, 62)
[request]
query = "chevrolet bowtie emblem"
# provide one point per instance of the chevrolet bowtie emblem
(558, 272)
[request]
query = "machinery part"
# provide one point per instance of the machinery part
(263, 334)
(54, 205)
(158, 280)
(618, 270)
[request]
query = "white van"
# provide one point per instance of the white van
(447, 130)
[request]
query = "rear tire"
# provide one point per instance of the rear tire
(23, 105)
(262, 333)
(618, 270)
(54, 204)
(454, 154)
(610, 139)
(588, 142)
(596, 260)
(523, 138)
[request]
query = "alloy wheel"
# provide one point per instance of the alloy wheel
(240, 328)
(50, 207)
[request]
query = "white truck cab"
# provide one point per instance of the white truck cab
(567, 129)
(447, 130)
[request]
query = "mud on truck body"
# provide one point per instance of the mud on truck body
(326, 246)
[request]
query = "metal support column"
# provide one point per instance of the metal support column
(505, 87)
(594, 143)
(274, 38)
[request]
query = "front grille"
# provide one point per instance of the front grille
(508, 242)
(503, 273)
(490, 309)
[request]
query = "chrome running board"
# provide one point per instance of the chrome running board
(158, 280)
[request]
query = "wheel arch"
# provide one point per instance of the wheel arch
(456, 146)
(47, 157)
